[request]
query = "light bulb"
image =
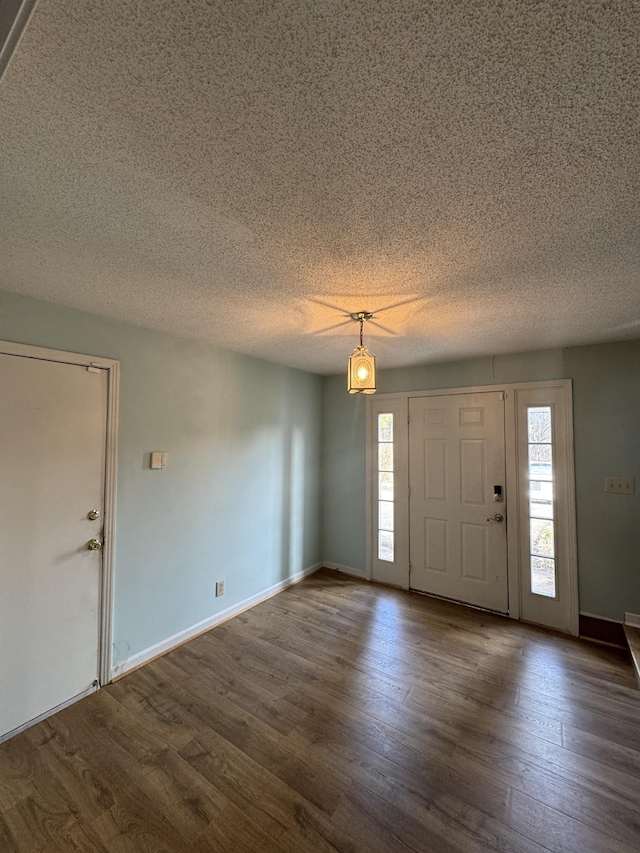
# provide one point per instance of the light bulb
(363, 372)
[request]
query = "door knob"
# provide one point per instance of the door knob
(497, 517)
(94, 545)
(93, 514)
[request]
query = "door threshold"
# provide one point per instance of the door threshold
(461, 603)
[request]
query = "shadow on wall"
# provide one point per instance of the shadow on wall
(293, 527)
(274, 476)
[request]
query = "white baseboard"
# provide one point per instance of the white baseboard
(602, 618)
(632, 619)
(348, 570)
(164, 646)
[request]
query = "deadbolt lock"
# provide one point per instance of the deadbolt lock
(94, 545)
(93, 514)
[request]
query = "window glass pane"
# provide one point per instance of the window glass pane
(543, 576)
(385, 515)
(540, 453)
(540, 499)
(385, 546)
(540, 467)
(541, 525)
(541, 537)
(385, 427)
(385, 457)
(539, 422)
(385, 486)
(386, 490)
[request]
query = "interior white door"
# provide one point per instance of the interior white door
(52, 460)
(457, 530)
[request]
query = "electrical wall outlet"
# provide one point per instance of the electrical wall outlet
(620, 485)
(219, 588)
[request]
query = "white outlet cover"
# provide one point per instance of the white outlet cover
(620, 485)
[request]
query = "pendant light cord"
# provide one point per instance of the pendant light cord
(361, 325)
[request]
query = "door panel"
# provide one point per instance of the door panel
(456, 457)
(52, 457)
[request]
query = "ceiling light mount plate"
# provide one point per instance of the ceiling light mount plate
(358, 316)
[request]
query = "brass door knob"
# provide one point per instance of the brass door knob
(497, 517)
(94, 545)
(93, 514)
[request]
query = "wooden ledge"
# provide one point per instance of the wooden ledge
(633, 638)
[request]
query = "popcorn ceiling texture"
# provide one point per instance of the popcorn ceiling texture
(228, 171)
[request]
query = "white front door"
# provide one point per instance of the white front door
(457, 530)
(52, 461)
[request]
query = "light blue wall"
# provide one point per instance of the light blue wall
(606, 406)
(606, 383)
(240, 498)
(344, 475)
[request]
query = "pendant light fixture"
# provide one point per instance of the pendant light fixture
(361, 377)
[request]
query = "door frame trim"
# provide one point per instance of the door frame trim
(511, 460)
(112, 366)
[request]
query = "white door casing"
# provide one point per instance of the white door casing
(458, 543)
(57, 454)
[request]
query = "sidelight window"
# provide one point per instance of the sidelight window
(542, 534)
(386, 488)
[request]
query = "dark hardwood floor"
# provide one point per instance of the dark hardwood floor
(341, 716)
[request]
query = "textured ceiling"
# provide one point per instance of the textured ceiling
(229, 171)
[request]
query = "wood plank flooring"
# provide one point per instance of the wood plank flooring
(341, 716)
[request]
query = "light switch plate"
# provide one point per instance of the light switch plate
(158, 459)
(219, 588)
(620, 485)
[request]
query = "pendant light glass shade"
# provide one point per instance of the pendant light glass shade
(361, 377)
